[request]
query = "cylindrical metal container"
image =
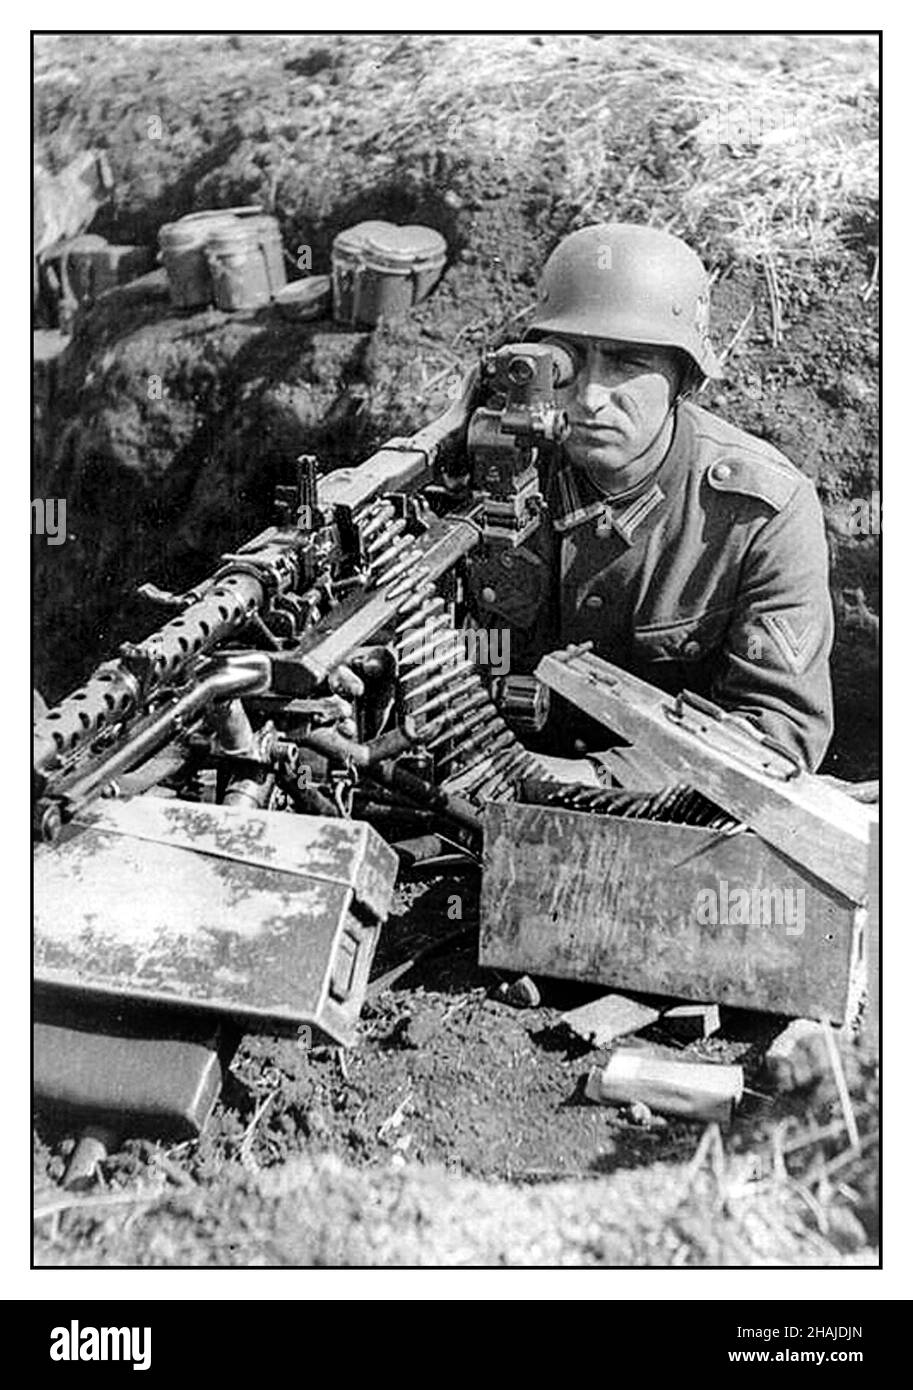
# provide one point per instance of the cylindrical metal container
(694, 1090)
(245, 262)
(348, 265)
(380, 270)
(183, 254)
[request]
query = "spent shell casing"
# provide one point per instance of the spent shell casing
(607, 799)
(486, 714)
(466, 714)
(526, 767)
(487, 790)
(488, 747)
(507, 755)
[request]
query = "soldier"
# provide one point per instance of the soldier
(689, 552)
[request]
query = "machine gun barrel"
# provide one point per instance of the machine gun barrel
(222, 679)
(117, 689)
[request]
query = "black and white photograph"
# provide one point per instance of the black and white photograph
(455, 610)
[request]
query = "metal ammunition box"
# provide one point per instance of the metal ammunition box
(148, 1070)
(258, 916)
(661, 908)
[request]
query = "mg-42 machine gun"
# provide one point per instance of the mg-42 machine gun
(206, 803)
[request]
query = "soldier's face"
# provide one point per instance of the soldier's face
(617, 404)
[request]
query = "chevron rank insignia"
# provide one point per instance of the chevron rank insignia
(794, 638)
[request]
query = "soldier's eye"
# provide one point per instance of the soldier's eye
(619, 359)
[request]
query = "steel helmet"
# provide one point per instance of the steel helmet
(631, 283)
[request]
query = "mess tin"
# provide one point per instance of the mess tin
(228, 256)
(381, 270)
(246, 262)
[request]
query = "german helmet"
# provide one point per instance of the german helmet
(629, 283)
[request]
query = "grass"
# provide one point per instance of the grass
(760, 149)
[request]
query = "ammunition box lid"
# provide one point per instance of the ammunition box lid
(345, 852)
(252, 914)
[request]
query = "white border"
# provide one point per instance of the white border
(16, 1281)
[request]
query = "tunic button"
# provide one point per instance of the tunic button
(488, 594)
(593, 601)
(722, 471)
(691, 650)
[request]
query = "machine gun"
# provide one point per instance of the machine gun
(335, 632)
(321, 682)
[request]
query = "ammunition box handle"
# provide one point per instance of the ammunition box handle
(724, 717)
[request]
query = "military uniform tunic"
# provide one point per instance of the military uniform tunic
(711, 576)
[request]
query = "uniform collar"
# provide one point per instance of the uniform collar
(577, 500)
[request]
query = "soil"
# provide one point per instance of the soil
(451, 1086)
(165, 433)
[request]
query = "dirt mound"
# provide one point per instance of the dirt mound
(322, 1213)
